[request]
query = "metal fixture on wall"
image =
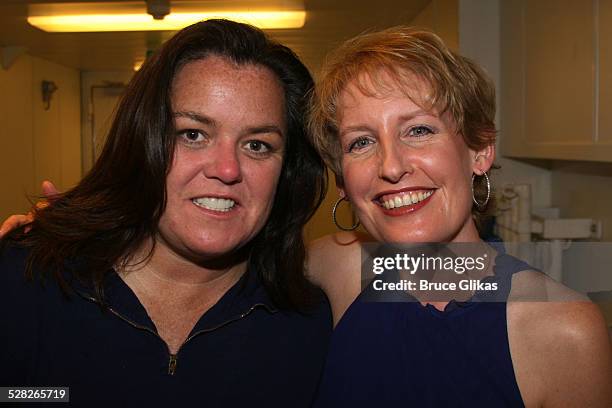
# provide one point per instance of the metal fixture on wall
(158, 8)
(48, 88)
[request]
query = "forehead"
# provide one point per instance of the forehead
(378, 98)
(374, 97)
(383, 84)
(216, 85)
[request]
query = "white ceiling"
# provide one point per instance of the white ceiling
(328, 22)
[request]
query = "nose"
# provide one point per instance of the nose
(223, 163)
(393, 162)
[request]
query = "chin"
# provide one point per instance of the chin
(403, 238)
(408, 234)
(217, 248)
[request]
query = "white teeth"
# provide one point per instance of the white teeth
(214, 203)
(406, 199)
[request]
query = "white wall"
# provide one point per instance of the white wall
(37, 144)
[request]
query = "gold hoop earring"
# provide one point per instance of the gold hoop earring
(351, 228)
(482, 205)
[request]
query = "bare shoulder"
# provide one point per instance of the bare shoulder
(551, 312)
(535, 286)
(559, 343)
(334, 263)
(330, 255)
(555, 314)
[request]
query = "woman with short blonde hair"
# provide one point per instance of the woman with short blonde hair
(407, 125)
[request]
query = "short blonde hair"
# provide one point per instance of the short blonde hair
(458, 86)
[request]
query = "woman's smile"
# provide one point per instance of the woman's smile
(216, 204)
(405, 169)
(403, 201)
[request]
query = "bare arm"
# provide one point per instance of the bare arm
(334, 264)
(560, 349)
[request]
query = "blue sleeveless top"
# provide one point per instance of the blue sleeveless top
(410, 355)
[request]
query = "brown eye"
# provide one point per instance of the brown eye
(192, 136)
(258, 147)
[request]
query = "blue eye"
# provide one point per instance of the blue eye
(420, 131)
(359, 144)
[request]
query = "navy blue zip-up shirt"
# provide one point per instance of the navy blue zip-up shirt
(242, 352)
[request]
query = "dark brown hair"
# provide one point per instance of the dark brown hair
(118, 204)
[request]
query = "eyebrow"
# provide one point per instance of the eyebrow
(264, 129)
(402, 118)
(350, 129)
(416, 113)
(203, 119)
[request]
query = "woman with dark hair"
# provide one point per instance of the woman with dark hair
(173, 272)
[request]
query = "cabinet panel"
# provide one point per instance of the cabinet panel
(605, 73)
(557, 79)
(559, 76)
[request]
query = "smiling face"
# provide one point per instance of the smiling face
(405, 169)
(230, 127)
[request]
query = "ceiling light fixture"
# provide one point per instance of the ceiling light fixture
(132, 16)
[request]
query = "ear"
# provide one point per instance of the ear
(482, 160)
(340, 186)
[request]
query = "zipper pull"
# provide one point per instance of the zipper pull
(172, 364)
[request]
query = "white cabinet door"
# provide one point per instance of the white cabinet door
(550, 80)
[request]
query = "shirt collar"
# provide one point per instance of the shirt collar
(246, 294)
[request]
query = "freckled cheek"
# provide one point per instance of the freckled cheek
(358, 177)
(183, 169)
(262, 182)
(170, 223)
(175, 183)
